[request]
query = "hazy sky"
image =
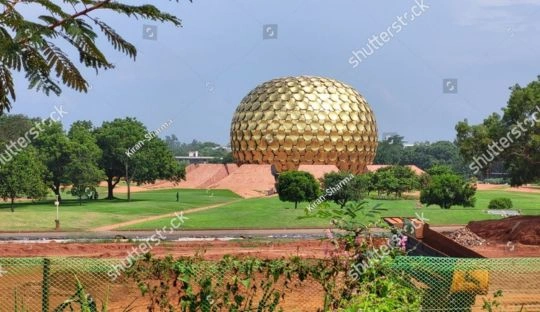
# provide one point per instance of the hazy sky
(198, 74)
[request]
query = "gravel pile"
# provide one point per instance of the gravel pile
(466, 238)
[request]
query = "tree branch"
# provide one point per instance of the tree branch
(83, 12)
(11, 7)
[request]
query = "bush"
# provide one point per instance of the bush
(500, 203)
(385, 293)
(297, 186)
(447, 190)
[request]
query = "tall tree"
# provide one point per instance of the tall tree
(132, 153)
(55, 150)
(513, 139)
(23, 176)
(13, 127)
(38, 46)
(83, 171)
(522, 116)
(475, 143)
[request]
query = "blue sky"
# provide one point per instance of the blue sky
(197, 75)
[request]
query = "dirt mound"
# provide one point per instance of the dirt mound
(318, 171)
(466, 238)
(204, 175)
(249, 181)
(522, 229)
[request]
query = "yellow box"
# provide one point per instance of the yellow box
(474, 281)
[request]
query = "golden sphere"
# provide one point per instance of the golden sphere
(304, 120)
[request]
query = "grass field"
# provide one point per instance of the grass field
(272, 213)
(40, 216)
(248, 213)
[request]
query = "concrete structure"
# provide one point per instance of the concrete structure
(194, 158)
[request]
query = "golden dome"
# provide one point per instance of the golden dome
(304, 120)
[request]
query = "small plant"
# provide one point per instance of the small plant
(491, 304)
(385, 293)
(500, 203)
(83, 300)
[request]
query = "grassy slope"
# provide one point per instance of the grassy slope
(271, 213)
(40, 216)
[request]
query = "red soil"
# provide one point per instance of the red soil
(373, 168)
(249, 181)
(212, 250)
(520, 229)
(318, 171)
(523, 188)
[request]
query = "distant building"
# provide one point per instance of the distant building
(194, 158)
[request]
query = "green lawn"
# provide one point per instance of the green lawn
(272, 213)
(249, 213)
(40, 216)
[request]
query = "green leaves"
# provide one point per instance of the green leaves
(22, 175)
(64, 68)
(26, 45)
(448, 189)
(116, 40)
(297, 186)
(7, 91)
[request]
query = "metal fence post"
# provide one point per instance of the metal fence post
(45, 285)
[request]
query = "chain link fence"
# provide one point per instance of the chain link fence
(447, 284)
(459, 284)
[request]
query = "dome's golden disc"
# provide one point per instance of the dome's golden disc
(304, 120)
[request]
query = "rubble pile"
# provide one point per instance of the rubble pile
(466, 238)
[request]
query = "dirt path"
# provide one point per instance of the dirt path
(111, 227)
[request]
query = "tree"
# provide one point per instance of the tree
(55, 151)
(389, 151)
(37, 46)
(221, 154)
(83, 171)
(512, 140)
(522, 116)
(448, 189)
(426, 155)
(297, 186)
(396, 180)
(23, 176)
(475, 143)
(13, 127)
(439, 170)
(407, 180)
(134, 154)
(341, 187)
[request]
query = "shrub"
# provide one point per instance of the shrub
(500, 203)
(297, 186)
(385, 293)
(447, 190)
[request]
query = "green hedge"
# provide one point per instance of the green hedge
(500, 203)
